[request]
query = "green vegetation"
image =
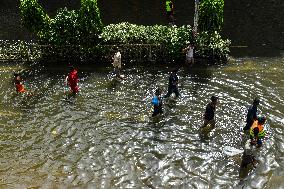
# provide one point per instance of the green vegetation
(212, 46)
(19, 50)
(80, 33)
(33, 16)
(211, 15)
(172, 39)
(67, 28)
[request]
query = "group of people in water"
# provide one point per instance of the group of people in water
(254, 127)
(254, 123)
(71, 80)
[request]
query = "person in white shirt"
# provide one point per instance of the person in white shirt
(189, 54)
(117, 64)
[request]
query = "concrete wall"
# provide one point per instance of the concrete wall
(258, 24)
(147, 12)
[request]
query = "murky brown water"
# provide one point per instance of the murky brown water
(105, 138)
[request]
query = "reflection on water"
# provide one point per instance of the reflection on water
(105, 136)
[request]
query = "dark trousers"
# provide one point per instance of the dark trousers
(172, 89)
(157, 110)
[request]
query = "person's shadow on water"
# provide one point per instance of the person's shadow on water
(198, 74)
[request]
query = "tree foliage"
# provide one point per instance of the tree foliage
(211, 15)
(81, 33)
(33, 16)
(212, 46)
(67, 27)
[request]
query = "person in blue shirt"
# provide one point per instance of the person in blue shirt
(157, 103)
(172, 87)
(252, 114)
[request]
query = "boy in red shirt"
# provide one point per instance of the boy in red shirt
(72, 80)
(18, 84)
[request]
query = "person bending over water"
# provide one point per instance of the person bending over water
(251, 115)
(18, 84)
(172, 87)
(157, 103)
(210, 113)
(72, 80)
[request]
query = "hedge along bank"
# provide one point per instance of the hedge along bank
(80, 33)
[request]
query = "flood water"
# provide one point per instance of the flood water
(105, 137)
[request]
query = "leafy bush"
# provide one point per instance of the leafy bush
(63, 29)
(211, 45)
(173, 39)
(67, 27)
(80, 33)
(211, 15)
(33, 16)
(90, 24)
(19, 50)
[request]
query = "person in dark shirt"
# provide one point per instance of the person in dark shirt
(210, 113)
(252, 114)
(173, 81)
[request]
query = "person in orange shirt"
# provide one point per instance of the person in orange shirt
(72, 80)
(257, 131)
(18, 84)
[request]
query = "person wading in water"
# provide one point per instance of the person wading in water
(18, 83)
(72, 80)
(209, 121)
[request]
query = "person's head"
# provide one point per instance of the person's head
(71, 67)
(256, 102)
(158, 91)
(214, 99)
(17, 76)
(175, 70)
(261, 119)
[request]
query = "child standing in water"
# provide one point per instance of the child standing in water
(157, 102)
(18, 84)
(117, 65)
(72, 80)
(189, 54)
